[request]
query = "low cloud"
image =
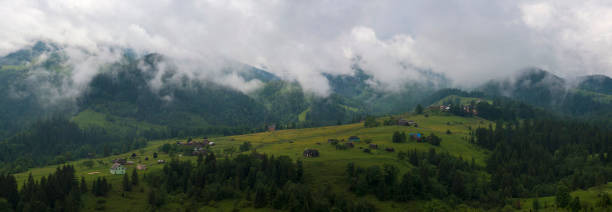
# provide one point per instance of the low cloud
(392, 40)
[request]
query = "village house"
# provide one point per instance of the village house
(354, 139)
(141, 167)
(445, 107)
(117, 169)
(416, 136)
(272, 127)
(404, 122)
(332, 141)
(121, 161)
(373, 146)
(349, 144)
(199, 150)
(389, 149)
(309, 153)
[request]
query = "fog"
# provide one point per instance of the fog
(467, 41)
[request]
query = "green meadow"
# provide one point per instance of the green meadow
(328, 168)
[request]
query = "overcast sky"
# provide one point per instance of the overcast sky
(468, 41)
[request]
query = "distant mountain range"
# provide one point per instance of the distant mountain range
(36, 83)
(583, 97)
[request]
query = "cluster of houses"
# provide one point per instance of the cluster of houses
(119, 165)
(199, 147)
(466, 108)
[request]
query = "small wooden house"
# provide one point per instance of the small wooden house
(117, 169)
(389, 149)
(141, 167)
(333, 141)
(121, 161)
(373, 146)
(309, 153)
(404, 122)
(349, 144)
(354, 139)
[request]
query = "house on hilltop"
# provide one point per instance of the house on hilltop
(117, 169)
(310, 153)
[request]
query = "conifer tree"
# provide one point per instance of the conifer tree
(127, 186)
(134, 177)
(83, 185)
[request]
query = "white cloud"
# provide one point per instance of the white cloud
(299, 40)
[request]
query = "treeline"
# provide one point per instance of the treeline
(270, 182)
(57, 140)
(59, 191)
(434, 175)
(536, 157)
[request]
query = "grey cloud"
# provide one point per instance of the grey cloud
(468, 41)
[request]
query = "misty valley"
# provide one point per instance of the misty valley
(347, 106)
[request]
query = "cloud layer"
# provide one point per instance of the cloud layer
(469, 42)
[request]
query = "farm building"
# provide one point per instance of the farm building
(404, 122)
(373, 146)
(333, 141)
(416, 136)
(141, 167)
(199, 151)
(354, 139)
(309, 153)
(389, 149)
(117, 169)
(121, 161)
(349, 144)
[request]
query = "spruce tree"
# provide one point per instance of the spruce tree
(83, 185)
(419, 109)
(134, 177)
(127, 186)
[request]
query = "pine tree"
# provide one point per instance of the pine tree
(127, 186)
(300, 171)
(134, 177)
(95, 187)
(575, 204)
(419, 109)
(200, 159)
(83, 185)
(562, 198)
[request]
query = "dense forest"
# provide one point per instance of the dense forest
(60, 191)
(271, 182)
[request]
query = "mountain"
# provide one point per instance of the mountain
(596, 83)
(544, 89)
(36, 82)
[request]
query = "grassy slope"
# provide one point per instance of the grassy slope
(328, 168)
(599, 97)
(588, 197)
(302, 116)
(90, 118)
